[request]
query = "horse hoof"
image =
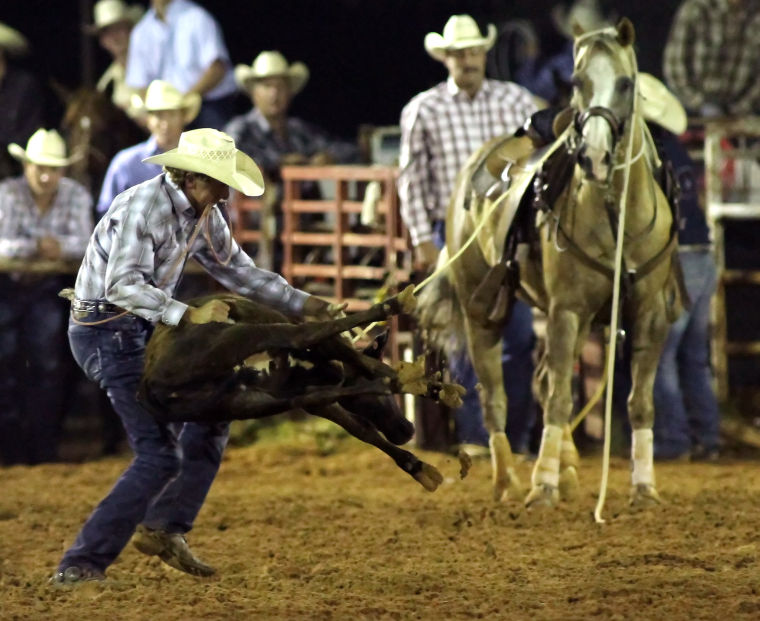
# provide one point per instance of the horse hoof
(644, 495)
(542, 496)
(569, 488)
(507, 487)
(429, 477)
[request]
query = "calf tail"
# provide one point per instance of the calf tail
(439, 313)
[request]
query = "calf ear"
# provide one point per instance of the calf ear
(376, 348)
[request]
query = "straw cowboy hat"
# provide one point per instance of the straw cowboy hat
(213, 153)
(659, 105)
(460, 32)
(584, 13)
(45, 148)
(110, 12)
(12, 41)
(271, 64)
(161, 95)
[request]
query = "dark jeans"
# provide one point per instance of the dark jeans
(33, 368)
(686, 409)
(174, 464)
(518, 341)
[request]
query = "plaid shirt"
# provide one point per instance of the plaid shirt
(254, 136)
(131, 259)
(68, 220)
(440, 129)
(713, 55)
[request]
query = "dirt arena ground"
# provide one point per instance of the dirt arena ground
(300, 534)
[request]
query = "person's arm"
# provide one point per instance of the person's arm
(73, 243)
(210, 77)
(140, 59)
(684, 55)
(13, 245)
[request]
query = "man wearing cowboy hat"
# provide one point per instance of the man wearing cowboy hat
(166, 112)
(113, 21)
(440, 128)
(21, 98)
(273, 138)
(180, 42)
(126, 283)
(43, 216)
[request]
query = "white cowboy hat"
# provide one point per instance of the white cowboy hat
(109, 12)
(584, 13)
(659, 105)
(161, 95)
(460, 32)
(270, 64)
(45, 148)
(12, 41)
(213, 153)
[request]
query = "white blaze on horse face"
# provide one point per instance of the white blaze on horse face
(597, 133)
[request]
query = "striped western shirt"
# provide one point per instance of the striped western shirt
(713, 55)
(440, 129)
(68, 220)
(133, 258)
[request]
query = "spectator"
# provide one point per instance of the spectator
(687, 418)
(21, 99)
(712, 56)
(112, 24)
(44, 216)
(179, 42)
(440, 128)
(273, 138)
(167, 112)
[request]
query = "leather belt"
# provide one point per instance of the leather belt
(94, 306)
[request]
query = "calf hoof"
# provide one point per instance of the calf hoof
(542, 495)
(507, 486)
(569, 488)
(429, 477)
(644, 495)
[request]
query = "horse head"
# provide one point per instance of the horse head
(604, 77)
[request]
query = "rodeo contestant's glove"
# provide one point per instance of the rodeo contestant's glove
(322, 310)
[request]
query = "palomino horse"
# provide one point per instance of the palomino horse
(566, 266)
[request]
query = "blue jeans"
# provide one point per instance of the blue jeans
(518, 341)
(34, 366)
(686, 410)
(174, 464)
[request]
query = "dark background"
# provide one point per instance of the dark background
(366, 56)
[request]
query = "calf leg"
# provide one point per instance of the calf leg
(425, 474)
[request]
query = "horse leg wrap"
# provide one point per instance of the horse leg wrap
(568, 453)
(546, 470)
(642, 456)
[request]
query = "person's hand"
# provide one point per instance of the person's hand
(321, 158)
(425, 256)
(48, 248)
(293, 159)
(213, 310)
(322, 310)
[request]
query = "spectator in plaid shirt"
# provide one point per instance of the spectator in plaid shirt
(712, 56)
(43, 216)
(440, 128)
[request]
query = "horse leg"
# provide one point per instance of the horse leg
(649, 334)
(484, 346)
(562, 328)
(425, 474)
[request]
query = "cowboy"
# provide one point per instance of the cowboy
(44, 216)
(440, 128)
(21, 98)
(180, 42)
(272, 137)
(166, 112)
(113, 21)
(125, 285)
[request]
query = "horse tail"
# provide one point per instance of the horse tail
(439, 313)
